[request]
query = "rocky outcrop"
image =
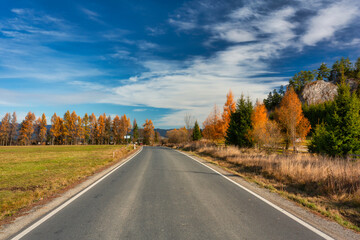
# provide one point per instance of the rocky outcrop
(318, 92)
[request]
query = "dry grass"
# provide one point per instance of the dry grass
(32, 174)
(332, 184)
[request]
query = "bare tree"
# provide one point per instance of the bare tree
(189, 121)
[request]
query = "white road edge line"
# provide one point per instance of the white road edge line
(308, 226)
(49, 215)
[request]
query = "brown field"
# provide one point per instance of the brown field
(29, 175)
(329, 186)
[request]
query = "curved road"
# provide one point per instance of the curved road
(163, 194)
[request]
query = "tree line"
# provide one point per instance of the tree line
(73, 129)
(281, 120)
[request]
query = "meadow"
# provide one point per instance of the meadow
(33, 174)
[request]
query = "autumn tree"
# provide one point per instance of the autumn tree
(40, 129)
(5, 129)
(86, 128)
(196, 135)
(157, 137)
(148, 132)
(259, 121)
(80, 132)
(291, 118)
(135, 131)
(100, 129)
(213, 126)
(117, 130)
(55, 130)
(125, 126)
(13, 128)
(27, 128)
(229, 108)
(240, 124)
(108, 131)
(93, 126)
(177, 135)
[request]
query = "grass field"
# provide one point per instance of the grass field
(32, 174)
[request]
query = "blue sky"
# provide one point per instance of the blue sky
(162, 59)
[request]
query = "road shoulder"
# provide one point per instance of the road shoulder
(330, 228)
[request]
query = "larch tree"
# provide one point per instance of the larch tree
(108, 132)
(86, 128)
(27, 129)
(100, 129)
(229, 108)
(148, 132)
(259, 121)
(116, 129)
(40, 129)
(55, 130)
(125, 127)
(80, 132)
(292, 119)
(5, 129)
(13, 128)
(93, 127)
(213, 126)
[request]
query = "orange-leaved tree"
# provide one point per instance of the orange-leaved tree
(27, 128)
(290, 116)
(148, 132)
(41, 129)
(213, 126)
(125, 127)
(5, 129)
(259, 121)
(229, 108)
(55, 130)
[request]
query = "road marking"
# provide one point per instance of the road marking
(308, 226)
(49, 215)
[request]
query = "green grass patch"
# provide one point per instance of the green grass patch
(33, 173)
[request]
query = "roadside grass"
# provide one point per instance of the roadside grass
(328, 186)
(36, 173)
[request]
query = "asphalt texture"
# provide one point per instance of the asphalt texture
(163, 194)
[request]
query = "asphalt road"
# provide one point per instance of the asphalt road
(162, 194)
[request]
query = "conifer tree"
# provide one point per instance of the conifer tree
(27, 128)
(340, 134)
(229, 108)
(240, 124)
(13, 128)
(135, 131)
(86, 128)
(93, 127)
(117, 130)
(291, 118)
(196, 132)
(5, 129)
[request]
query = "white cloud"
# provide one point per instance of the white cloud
(329, 20)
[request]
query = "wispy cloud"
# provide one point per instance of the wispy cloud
(329, 20)
(92, 15)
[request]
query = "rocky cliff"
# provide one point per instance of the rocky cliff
(320, 91)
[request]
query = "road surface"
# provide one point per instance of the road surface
(163, 194)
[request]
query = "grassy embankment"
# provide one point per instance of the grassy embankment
(30, 175)
(327, 186)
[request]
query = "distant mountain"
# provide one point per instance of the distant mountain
(162, 131)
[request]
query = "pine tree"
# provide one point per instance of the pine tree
(196, 132)
(135, 131)
(340, 134)
(240, 124)
(323, 72)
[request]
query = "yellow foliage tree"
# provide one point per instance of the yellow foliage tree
(213, 126)
(259, 121)
(229, 108)
(148, 132)
(291, 118)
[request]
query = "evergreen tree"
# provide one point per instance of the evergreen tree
(323, 72)
(340, 135)
(135, 131)
(196, 132)
(274, 98)
(240, 124)
(300, 79)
